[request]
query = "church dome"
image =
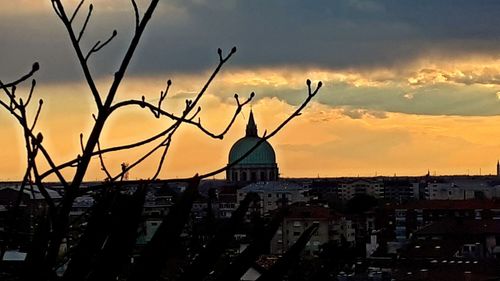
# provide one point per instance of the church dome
(262, 155)
(258, 165)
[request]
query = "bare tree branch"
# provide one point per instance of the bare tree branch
(81, 142)
(130, 52)
(98, 46)
(40, 103)
(89, 14)
(32, 150)
(136, 14)
(58, 220)
(32, 89)
(59, 9)
(34, 68)
(76, 11)
(103, 166)
(56, 9)
(266, 136)
(21, 118)
(183, 118)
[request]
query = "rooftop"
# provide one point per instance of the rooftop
(458, 227)
(449, 204)
(273, 186)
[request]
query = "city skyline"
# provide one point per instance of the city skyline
(409, 86)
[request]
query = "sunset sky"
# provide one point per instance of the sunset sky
(409, 86)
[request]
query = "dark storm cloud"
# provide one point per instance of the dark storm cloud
(332, 34)
(184, 35)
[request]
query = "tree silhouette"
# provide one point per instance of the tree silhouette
(105, 246)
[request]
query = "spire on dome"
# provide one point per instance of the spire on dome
(251, 126)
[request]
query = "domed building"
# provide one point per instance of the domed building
(259, 165)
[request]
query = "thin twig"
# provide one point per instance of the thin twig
(59, 8)
(32, 89)
(136, 14)
(56, 9)
(142, 103)
(266, 136)
(34, 68)
(40, 103)
(89, 13)
(98, 46)
(103, 166)
(76, 11)
(81, 142)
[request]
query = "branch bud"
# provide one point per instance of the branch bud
(252, 94)
(320, 84)
(169, 82)
(40, 102)
(308, 82)
(114, 33)
(236, 96)
(219, 51)
(233, 50)
(39, 138)
(35, 67)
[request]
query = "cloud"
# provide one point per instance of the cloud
(482, 71)
(362, 113)
(183, 36)
(358, 93)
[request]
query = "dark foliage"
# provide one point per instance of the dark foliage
(258, 246)
(291, 257)
(361, 203)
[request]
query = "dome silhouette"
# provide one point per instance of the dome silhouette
(262, 155)
(259, 165)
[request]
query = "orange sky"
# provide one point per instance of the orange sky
(325, 141)
(435, 106)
